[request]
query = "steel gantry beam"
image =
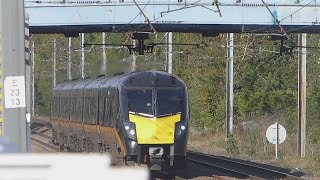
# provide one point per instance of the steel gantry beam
(204, 16)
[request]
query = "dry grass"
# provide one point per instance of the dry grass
(206, 143)
(251, 144)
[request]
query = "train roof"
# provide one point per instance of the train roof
(149, 78)
(139, 78)
(96, 82)
(59, 86)
(68, 85)
(81, 83)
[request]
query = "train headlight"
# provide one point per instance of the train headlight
(178, 132)
(130, 129)
(132, 132)
(181, 128)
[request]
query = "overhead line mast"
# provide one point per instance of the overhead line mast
(229, 104)
(12, 57)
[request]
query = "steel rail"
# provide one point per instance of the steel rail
(224, 169)
(253, 171)
(43, 135)
(168, 176)
(46, 145)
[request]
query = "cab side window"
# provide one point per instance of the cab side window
(79, 104)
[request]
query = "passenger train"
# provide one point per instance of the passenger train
(139, 118)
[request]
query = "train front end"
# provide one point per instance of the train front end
(154, 110)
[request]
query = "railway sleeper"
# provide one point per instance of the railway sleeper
(55, 138)
(63, 142)
(83, 144)
(77, 145)
(91, 147)
(71, 142)
(101, 147)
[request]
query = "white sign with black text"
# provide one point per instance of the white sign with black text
(14, 92)
(276, 134)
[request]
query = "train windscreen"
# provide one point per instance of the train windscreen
(168, 102)
(140, 101)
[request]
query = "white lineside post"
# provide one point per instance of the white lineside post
(54, 50)
(69, 58)
(229, 84)
(82, 55)
(134, 57)
(302, 81)
(277, 140)
(104, 55)
(169, 52)
(33, 76)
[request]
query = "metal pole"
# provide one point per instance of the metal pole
(82, 55)
(134, 57)
(28, 81)
(229, 106)
(54, 49)
(277, 140)
(302, 80)
(12, 58)
(104, 55)
(169, 52)
(69, 58)
(33, 73)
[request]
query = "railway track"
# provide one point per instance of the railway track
(48, 146)
(238, 169)
(224, 168)
(40, 137)
(162, 175)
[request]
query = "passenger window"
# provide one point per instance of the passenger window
(115, 108)
(66, 108)
(106, 110)
(88, 110)
(110, 107)
(102, 112)
(73, 109)
(94, 108)
(85, 108)
(78, 108)
(53, 107)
